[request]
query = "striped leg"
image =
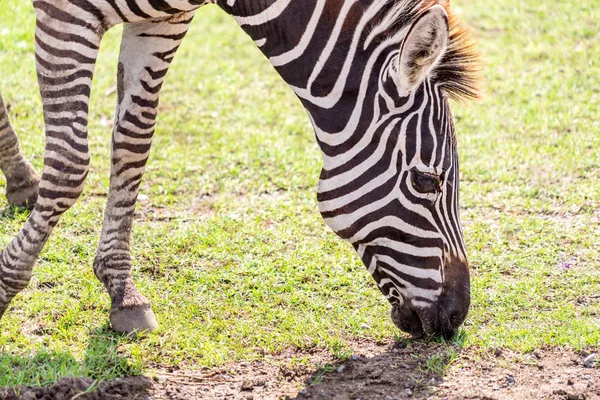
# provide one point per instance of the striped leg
(21, 179)
(65, 64)
(147, 50)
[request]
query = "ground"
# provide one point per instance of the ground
(377, 371)
(245, 276)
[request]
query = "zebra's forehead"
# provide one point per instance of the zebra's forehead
(423, 123)
(429, 139)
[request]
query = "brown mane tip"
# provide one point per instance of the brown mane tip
(459, 71)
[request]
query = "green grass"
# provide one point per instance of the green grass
(230, 247)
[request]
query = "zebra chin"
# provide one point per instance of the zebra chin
(445, 315)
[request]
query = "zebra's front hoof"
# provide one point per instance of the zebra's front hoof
(24, 194)
(138, 320)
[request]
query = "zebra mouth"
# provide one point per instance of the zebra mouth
(407, 320)
(427, 322)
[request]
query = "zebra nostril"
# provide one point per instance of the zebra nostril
(452, 313)
(451, 316)
(449, 324)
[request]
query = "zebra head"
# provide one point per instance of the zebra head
(390, 179)
(375, 77)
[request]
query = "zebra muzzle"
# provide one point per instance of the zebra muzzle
(445, 315)
(433, 321)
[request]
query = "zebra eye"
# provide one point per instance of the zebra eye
(424, 182)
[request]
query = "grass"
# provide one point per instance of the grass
(230, 247)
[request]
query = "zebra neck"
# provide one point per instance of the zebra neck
(330, 52)
(280, 28)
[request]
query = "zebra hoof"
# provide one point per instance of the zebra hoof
(23, 195)
(138, 320)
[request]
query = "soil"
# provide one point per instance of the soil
(382, 371)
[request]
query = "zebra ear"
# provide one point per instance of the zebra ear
(422, 48)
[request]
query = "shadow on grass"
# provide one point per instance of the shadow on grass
(59, 375)
(14, 212)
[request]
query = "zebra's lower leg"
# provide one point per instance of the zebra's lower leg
(147, 50)
(21, 179)
(65, 67)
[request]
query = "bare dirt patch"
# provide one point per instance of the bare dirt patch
(545, 374)
(134, 388)
(385, 371)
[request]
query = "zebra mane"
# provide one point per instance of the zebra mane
(459, 70)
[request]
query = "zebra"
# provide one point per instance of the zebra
(375, 77)
(21, 179)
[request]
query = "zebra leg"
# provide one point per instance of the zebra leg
(65, 64)
(21, 179)
(147, 50)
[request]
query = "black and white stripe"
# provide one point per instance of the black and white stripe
(21, 179)
(374, 76)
